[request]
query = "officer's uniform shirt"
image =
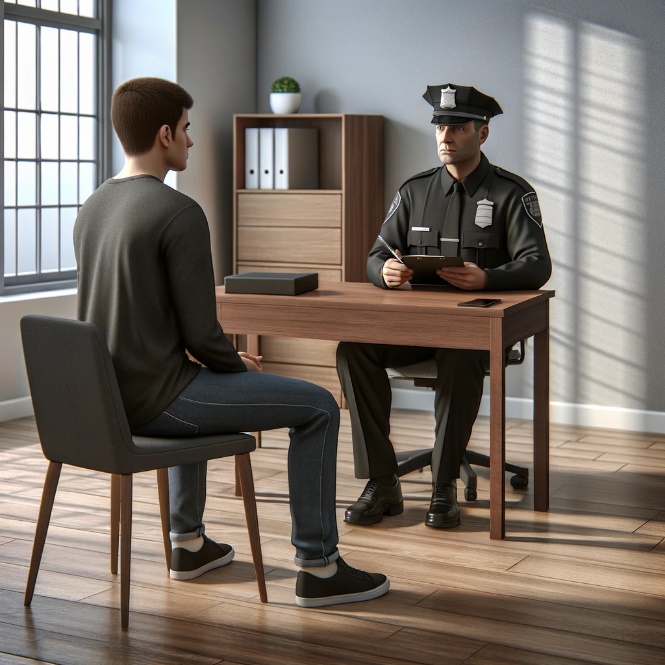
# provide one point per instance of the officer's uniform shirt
(500, 226)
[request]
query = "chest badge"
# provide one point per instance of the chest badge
(484, 213)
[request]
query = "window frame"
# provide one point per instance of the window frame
(101, 28)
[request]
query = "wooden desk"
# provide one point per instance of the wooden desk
(360, 312)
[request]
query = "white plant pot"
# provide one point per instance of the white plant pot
(285, 102)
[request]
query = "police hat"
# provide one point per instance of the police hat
(459, 104)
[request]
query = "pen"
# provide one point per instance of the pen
(390, 249)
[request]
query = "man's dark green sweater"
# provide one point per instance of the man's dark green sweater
(145, 278)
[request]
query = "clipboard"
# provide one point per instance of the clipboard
(424, 267)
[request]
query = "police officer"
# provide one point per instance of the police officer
(469, 208)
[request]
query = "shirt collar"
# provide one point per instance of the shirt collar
(471, 182)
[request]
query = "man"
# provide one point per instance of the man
(145, 278)
(466, 208)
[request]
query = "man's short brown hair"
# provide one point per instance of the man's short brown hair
(141, 106)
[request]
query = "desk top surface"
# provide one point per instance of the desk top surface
(367, 297)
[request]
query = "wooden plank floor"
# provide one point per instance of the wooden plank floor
(584, 583)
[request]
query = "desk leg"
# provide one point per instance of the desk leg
(541, 417)
(497, 431)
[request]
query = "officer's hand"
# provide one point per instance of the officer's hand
(468, 278)
(395, 273)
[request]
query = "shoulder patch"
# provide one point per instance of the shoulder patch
(393, 207)
(515, 178)
(532, 207)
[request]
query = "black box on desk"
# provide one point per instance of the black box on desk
(272, 283)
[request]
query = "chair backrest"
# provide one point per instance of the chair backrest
(78, 409)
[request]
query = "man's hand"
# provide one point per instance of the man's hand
(468, 278)
(395, 273)
(253, 363)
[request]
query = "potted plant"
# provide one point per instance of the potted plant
(285, 95)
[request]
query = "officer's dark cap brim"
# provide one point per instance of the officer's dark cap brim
(453, 120)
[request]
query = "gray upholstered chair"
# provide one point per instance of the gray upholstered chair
(423, 374)
(81, 421)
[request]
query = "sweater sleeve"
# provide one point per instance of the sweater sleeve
(188, 263)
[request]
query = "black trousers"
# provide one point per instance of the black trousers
(458, 391)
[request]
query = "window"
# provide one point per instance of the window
(54, 88)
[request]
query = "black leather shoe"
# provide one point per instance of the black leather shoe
(377, 500)
(443, 511)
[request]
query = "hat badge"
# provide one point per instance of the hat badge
(448, 98)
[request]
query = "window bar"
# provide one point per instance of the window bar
(40, 241)
(59, 153)
(38, 151)
(16, 149)
(78, 114)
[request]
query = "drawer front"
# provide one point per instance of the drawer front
(288, 245)
(298, 351)
(325, 274)
(294, 210)
(322, 376)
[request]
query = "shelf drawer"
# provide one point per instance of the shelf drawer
(290, 210)
(325, 274)
(269, 244)
(298, 351)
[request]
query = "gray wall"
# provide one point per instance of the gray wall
(216, 63)
(143, 44)
(582, 88)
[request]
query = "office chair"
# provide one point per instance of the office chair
(81, 421)
(423, 374)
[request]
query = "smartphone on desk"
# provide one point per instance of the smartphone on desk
(479, 302)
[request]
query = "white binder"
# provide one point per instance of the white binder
(252, 158)
(266, 158)
(296, 158)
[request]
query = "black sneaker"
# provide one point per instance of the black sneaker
(347, 585)
(186, 565)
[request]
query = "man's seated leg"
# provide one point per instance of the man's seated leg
(459, 389)
(253, 401)
(362, 372)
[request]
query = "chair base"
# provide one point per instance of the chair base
(412, 460)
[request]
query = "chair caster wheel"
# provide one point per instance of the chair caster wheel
(519, 482)
(470, 494)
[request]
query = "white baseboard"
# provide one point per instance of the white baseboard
(561, 413)
(634, 420)
(15, 408)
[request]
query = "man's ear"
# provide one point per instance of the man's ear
(483, 133)
(164, 136)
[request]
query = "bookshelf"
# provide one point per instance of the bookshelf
(327, 230)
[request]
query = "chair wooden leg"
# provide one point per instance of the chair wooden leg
(165, 512)
(125, 546)
(238, 484)
(45, 508)
(115, 521)
(244, 471)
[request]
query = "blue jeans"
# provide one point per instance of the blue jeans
(253, 401)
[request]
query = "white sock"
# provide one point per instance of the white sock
(193, 544)
(322, 571)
